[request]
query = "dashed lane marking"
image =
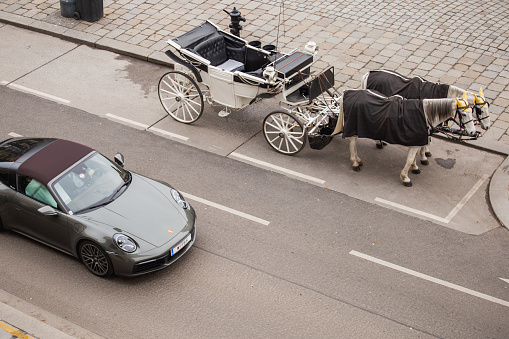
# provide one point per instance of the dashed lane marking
(430, 278)
(451, 215)
(277, 168)
(147, 127)
(226, 209)
(35, 92)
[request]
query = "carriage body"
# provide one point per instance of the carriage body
(234, 71)
(221, 68)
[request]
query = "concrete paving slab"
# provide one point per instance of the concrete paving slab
(35, 54)
(99, 82)
(221, 135)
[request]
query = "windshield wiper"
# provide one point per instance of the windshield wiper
(126, 183)
(93, 206)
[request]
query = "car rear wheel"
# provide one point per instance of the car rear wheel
(95, 259)
(1, 226)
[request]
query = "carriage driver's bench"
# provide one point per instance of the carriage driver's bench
(216, 51)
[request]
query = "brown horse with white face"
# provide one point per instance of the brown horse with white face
(369, 114)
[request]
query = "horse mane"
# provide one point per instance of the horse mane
(439, 110)
(456, 92)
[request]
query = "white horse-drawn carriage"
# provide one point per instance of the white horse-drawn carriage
(218, 67)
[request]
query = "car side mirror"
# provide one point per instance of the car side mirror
(119, 159)
(47, 210)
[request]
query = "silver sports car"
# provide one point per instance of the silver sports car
(72, 198)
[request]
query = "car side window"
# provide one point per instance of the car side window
(35, 190)
(4, 177)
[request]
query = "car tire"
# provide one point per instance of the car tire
(1, 226)
(95, 259)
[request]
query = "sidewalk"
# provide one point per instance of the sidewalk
(20, 319)
(465, 46)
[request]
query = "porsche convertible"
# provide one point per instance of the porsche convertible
(72, 198)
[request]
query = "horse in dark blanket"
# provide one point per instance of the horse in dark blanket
(392, 83)
(369, 114)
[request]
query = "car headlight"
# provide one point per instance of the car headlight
(125, 243)
(179, 199)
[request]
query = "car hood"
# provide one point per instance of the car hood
(145, 210)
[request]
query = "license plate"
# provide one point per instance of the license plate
(181, 245)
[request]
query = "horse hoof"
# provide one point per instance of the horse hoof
(428, 154)
(356, 168)
(425, 162)
(407, 184)
(417, 171)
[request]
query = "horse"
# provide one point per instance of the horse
(370, 114)
(392, 83)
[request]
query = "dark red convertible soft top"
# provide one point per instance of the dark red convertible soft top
(52, 160)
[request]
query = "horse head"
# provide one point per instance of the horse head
(466, 115)
(482, 109)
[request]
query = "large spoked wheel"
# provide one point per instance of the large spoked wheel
(284, 132)
(181, 97)
(95, 259)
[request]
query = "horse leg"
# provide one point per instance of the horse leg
(410, 160)
(425, 153)
(354, 156)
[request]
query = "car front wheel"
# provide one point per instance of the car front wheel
(95, 259)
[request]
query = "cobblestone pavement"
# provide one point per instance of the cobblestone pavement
(465, 43)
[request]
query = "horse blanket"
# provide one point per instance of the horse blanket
(392, 83)
(396, 120)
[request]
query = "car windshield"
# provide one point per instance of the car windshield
(92, 182)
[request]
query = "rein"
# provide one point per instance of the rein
(478, 111)
(454, 133)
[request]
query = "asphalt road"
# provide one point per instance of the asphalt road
(312, 271)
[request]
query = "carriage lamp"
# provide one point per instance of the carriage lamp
(311, 48)
(125, 243)
(235, 18)
(269, 74)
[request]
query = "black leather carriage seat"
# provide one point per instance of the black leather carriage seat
(216, 51)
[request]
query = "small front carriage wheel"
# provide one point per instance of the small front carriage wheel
(284, 132)
(95, 259)
(181, 97)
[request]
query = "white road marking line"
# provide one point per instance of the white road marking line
(277, 168)
(466, 197)
(226, 209)
(451, 215)
(158, 130)
(506, 280)
(412, 210)
(430, 278)
(132, 122)
(15, 135)
(35, 92)
(146, 127)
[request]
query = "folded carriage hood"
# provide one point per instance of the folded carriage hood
(146, 210)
